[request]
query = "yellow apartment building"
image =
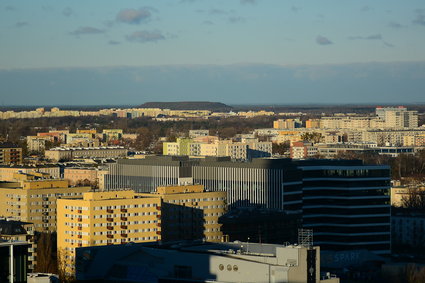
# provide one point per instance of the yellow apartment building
(105, 218)
(189, 212)
(10, 154)
(7, 173)
(33, 200)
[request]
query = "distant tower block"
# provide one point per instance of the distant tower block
(305, 238)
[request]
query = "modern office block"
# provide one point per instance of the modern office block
(347, 205)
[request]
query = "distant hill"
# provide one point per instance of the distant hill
(189, 105)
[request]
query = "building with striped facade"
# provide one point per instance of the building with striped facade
(347, 206)
(345, 202)
(268, 183)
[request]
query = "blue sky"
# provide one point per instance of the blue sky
(245, 37)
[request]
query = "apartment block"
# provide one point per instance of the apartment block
(34, 200)
(302, 150)
(84, 175)
(106, 218)
(7, 173)
(10, 154)
(62, 153)
(287, 124)
(189, 212)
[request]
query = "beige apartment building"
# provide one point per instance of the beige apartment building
(30, 199)
(105, 218)
(7, 173)
(81, 175)
(189, 212)
(61, 153)
(10, 154)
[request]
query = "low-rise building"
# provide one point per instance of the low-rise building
(7, 173)
(62, 153)
(203, 262)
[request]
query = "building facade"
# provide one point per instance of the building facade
(32, 200)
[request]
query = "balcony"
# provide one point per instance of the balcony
(124, 235)
(158, 232)
(79, 236)
(158, 208)
(123, 226)
(110, 228)
(124, 218)
(79, 211)
(45, 213)
(109, 219)
(79, 219)
(80, 228)
(80, 245)
(110, 211)
(45, 206)
(158, 216)
(123, 210)
(110, 236)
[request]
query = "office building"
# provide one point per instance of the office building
(203, 262)
(13, 262)
(269, 183)
(347, 205)
(31, 199)
(260, 225)
(18, 231)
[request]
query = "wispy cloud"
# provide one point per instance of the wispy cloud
(113, 42)
(10, 8)
(145, 36)
(21, 24)
(369, 37)
(217, 12)
(420, 17)
(133, 16)
(295, 9)
(207, 23)
(234, 20)
(395, 25)
(321, 40)
(387, 44)
(87, 30)
(365, 9)
(67, 12)
(249, 2)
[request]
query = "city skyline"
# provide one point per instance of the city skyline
(130, 52)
